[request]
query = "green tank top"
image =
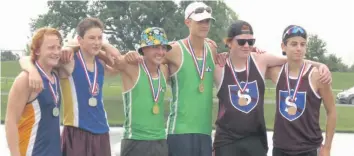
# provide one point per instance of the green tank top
(140, 121)
(190, 109)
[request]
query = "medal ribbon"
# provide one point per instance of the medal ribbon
(93, 87)
(157, 95)
(54, 93)
(200, 73)
(231, 67)
(298, 81)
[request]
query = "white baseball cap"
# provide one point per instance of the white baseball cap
(191, 8)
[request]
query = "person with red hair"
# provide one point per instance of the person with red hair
(32, 118)
(86, 130)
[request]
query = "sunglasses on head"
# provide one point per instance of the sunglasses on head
(201, 10)
(242, 42)
(294, 30)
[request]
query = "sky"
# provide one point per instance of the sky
(331, 20)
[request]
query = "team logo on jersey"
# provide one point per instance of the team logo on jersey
(246, 101)
(162, 89)
(208, 69)
(291, 110)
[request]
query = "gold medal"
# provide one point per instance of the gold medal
(292, 110)
(155, 95)
(201, 87)
(155, 109)
(241, 89)
(201, 70)
(242, 101)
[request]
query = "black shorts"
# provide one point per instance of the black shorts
(78, 142)
(189, 145)
(249, 146)
(143, 148)
(279, 152)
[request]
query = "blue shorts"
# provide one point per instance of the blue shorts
(189, 145)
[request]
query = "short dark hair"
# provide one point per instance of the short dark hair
(238, 27)
(288, 34)
(87, 24)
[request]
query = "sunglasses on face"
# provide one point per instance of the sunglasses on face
(294, 30)
(242, 42)
(201, 10)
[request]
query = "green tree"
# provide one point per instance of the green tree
(316, 49)
(63, 15)
(351, 69)
(335, 64)
(224, 17)
(124, 20)
(27, 50)
(8, 55)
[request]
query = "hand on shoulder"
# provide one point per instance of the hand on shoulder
(211, 42)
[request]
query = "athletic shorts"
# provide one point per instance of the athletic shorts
(78, 142)
(143, 148)
(189, 145)
(279, 152)
(249, 146)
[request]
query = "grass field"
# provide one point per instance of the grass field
(114, 106)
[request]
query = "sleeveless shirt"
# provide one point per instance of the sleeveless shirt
(299, 132)
(237, 121)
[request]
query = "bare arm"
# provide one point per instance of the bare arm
(121, 63)
(63, 70)
(218, 73)
(111, 72)
(108, 70)
(272, 60)
(172, 54)
(173, 58)
(316, 64)
(73, 44)
(111, 50)
(27, 64)
(129, 73)
(164, 69)
(34, 78)
(276, 60)
(213, 47)
(17, 99)
(109, 55)
(108, 60)
(325, 91)
(272, 73)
